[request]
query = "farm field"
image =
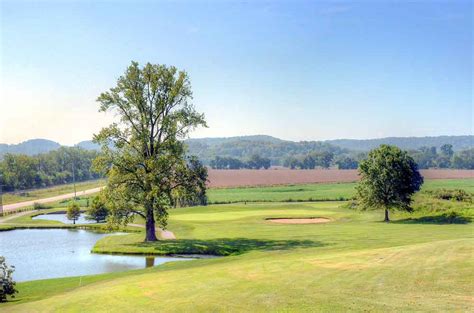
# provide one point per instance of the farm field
(352, 263)
(249, 178)
(314, 192)
(236, 178)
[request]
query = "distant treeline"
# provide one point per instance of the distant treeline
(277, 150)
(445, 157)
(255, 162)
(19, 171)
(243, 148)
(425, 157)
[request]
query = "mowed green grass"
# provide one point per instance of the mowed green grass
(313, 192)
(353, 263)
(49, 192)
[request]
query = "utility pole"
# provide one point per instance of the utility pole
(1, 195)
(74, 179)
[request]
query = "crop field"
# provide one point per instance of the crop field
(236, 178)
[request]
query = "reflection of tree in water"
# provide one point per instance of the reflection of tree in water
(149, 261)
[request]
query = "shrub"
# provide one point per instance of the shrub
(452, 194)
(98, 210)
(7, 285)
(73, 212)
(40, 206)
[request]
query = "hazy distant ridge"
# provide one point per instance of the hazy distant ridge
(30, 147)
(245, 145)
(407, 143)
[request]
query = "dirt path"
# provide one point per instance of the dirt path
(19, 205)
(164, 234)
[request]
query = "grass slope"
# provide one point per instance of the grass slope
(313, 192)
(354, 263)
(35, 194)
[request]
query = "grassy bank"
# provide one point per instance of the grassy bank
(14, 197)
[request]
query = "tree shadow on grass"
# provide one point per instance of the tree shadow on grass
(224, 246)
(443, 219)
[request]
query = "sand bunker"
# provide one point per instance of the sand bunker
(306, 220)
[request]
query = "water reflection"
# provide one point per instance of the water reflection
(61, 217)
(149, 261)
(51, 253)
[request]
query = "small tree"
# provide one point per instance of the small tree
(7, 285)
(73, 212)
(98, 210)
(389, 178)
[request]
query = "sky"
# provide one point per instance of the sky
(297, 70)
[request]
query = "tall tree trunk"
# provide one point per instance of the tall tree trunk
(386, 216)
(150, 225)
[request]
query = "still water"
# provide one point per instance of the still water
(63, 218)
(52, 253)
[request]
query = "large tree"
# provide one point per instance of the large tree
(143, 155)
(389, 178)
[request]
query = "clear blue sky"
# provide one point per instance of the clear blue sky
(300, 70)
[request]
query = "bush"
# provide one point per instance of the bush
(452, 194)
(40, 206)
(7, 285)
(98, 210)
(73, 212)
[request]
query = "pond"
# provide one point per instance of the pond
(61, 217)
(52, 253)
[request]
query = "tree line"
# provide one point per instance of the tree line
(19, 171)
(255, 162)
(425, 157)
(445, 157)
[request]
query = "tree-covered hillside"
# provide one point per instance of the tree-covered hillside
(406, 143)
(281, 151)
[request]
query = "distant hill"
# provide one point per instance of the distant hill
(88, 145)
(406, 143)
(276, 149)
(30, 147)
(214, 141)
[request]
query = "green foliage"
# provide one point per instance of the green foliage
(322, 159)
(346, 163)
(228, 163)
(389, 178)
(447, 150)
(452, 194)
(428, 157)
(40, 206)
(53, 168)
(7, 285)
(464, 159)
(257, 162)
(98, 210)
(143, 155)
(73, 212)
